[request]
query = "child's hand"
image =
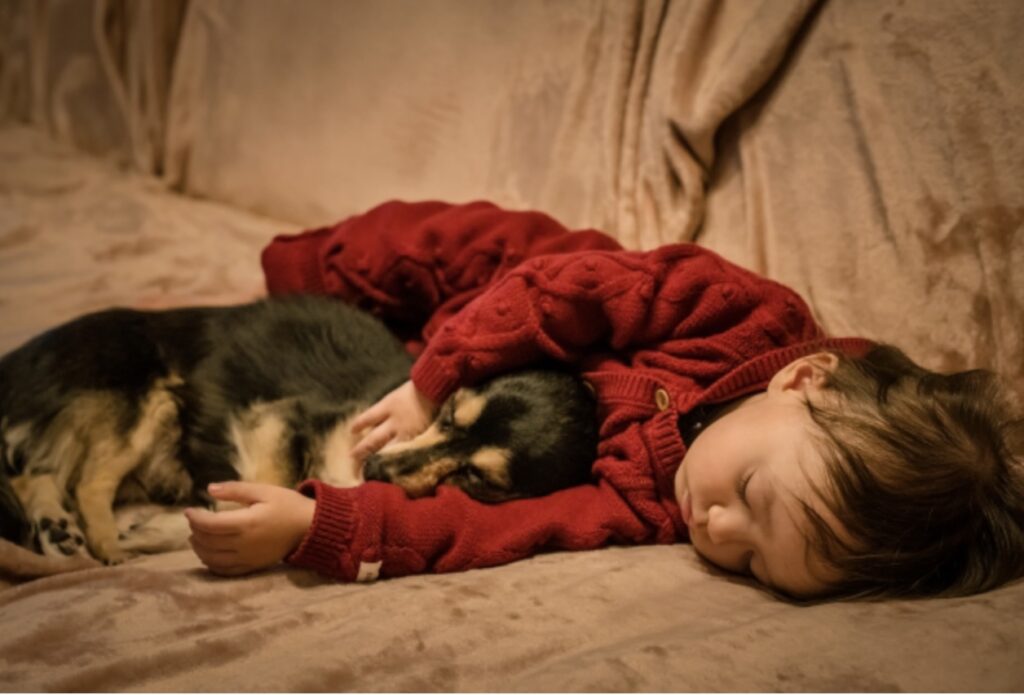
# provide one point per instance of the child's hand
(259, 535)
(403, 414)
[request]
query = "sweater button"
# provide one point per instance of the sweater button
(501, 309)
(662, 399)
(547, 308)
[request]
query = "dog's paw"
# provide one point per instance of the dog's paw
(60, 537)
(110, 553)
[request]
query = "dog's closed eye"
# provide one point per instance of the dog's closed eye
(446, 418)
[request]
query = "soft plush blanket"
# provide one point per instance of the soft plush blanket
(623, 619)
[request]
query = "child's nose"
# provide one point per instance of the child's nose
(723, 526)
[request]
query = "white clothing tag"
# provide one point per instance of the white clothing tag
(368, 571)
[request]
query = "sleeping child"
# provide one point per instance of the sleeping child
(820, 466)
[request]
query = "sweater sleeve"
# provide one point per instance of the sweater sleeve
(375, 530)
(677, 304)
(407, 262)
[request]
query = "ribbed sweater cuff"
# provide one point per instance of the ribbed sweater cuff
(291, 263)
(326, 547)
(433, 378)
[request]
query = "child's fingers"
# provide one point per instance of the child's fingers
(215, 560)
(214, 543)
(238, 491)
(372, 442)
(371, 417)
(211, 549)
(222, 567)
(215, 523)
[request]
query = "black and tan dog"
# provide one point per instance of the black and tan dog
(125, 407)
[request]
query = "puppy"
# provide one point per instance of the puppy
(123, 408)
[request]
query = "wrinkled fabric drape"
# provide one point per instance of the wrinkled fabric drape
(881, 175)
(93, 73)
(602, 113)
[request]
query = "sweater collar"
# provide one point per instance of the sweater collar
(754, 375)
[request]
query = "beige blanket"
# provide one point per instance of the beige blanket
(622, 619)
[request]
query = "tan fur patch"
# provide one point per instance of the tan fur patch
(65, 444)
(15, 437)
(468, 409)
(110, 458)
(493, 464)
(335, 464)
(258, 436)
(427, 478)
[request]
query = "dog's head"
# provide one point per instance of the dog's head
(522, 435)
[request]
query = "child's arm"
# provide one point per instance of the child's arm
(679, 308)
(405, 261)
(375, 530)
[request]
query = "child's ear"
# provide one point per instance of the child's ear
(805, 374)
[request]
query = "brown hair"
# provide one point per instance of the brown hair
(925, 476)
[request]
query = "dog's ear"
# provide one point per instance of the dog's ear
(467, 407)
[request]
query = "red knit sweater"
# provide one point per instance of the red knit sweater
(476, 291)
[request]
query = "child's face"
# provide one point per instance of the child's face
(741, 482)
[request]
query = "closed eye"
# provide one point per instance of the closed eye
(741, 488)
(475, 475)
